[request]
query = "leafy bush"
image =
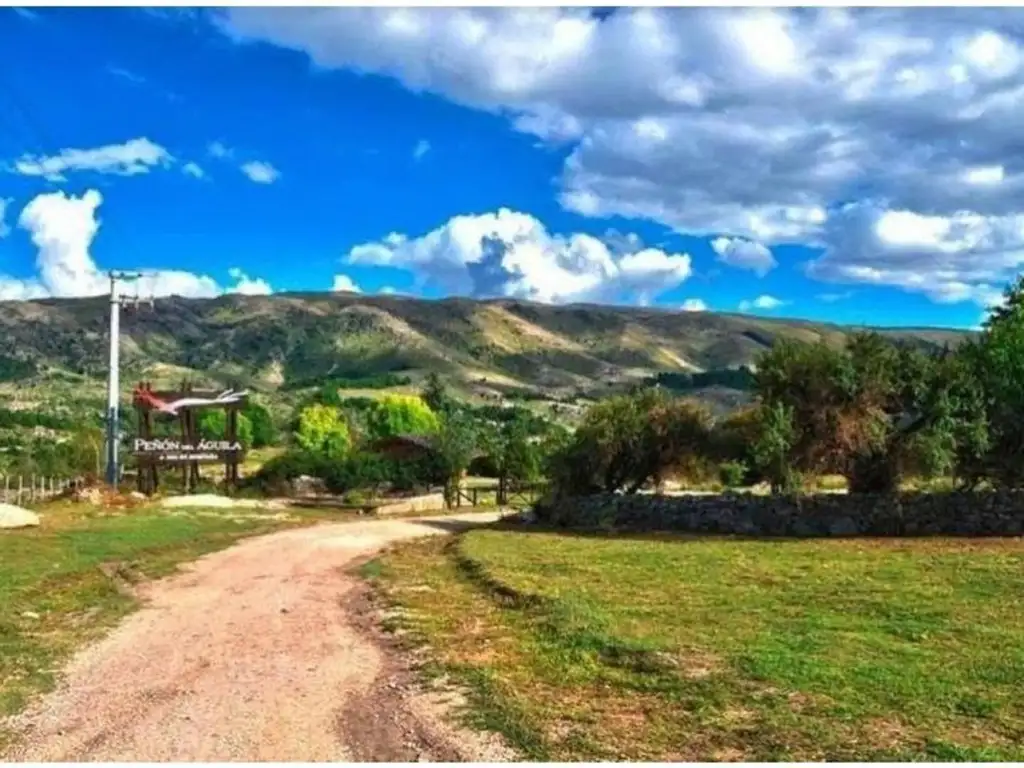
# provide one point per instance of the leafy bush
(264, 432)
(322, 431)
(732, 473)
(395, 415)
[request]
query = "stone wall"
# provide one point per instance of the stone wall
(995, 513)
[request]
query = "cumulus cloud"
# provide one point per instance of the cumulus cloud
(128, 159)
(248, 286)
(751, 123)
(260, 172)
(764, 301)
(694, 305)
(743, 254)
(194, 170)
(421, 148)
(512, 254)
(345, 283)
(219, 150)
(63, 227)
(958, 257)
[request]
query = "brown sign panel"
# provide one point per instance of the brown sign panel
(173, 451)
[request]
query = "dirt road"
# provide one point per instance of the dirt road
(259, 652)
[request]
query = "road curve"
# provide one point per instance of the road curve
(253, 653)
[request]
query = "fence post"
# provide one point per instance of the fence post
(21, 483)
(7, 488)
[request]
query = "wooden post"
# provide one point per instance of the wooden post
(7, 488)
(20, 485)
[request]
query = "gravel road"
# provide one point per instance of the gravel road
(263, 651)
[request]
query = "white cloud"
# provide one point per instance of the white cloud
(751, 123)
(219, 150)
(744, 254)
(260, 172)
(762, 302)
(832, 298)
(248, 286)
(960, 257)
(421, 148)
(126, 74)
(345, 283)
(512, 254)
(62, 227)
(128, 159)
(694, 305)
(193, 170)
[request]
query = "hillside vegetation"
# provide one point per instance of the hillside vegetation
(285, 342)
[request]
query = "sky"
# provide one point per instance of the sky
(855, 166)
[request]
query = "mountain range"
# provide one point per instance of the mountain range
(284, 343)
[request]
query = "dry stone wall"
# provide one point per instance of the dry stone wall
(994, 513)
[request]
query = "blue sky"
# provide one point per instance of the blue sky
(432, 152)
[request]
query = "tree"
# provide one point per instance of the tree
(436, 395)
(514, 450)
(400, 415)
(455, 444)
(773, 448)
(627, 441)
(263, 430)
(863, 411)
(213, 426)
(322, 431)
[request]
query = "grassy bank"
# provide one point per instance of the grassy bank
(702, 649)
(54, 595)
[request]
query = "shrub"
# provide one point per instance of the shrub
(732, 473)
(395, 415)
(322, 431)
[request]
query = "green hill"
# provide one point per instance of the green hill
(55, 350)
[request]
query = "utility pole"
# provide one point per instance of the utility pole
(113, 372)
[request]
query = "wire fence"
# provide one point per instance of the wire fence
(26, 489)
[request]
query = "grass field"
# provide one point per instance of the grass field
(715, 649)
(54, 596)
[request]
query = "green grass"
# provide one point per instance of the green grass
(674, 648)
(54, 597)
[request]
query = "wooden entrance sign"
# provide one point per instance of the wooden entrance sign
(189, 450)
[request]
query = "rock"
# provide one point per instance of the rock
(88, 496)
(304, 485)
(844, 526)
(30, 615)
(16, 517)
(137, 496)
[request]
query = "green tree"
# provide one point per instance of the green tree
(400, 415)
(513, 449)
(323, 432)
(264, 432)
(455, 445)
(773, 448)
(628, 441)
(436, 395)
(213, 426)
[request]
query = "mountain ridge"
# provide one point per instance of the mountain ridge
(491, 347)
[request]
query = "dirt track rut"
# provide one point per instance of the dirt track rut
(258, 652)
